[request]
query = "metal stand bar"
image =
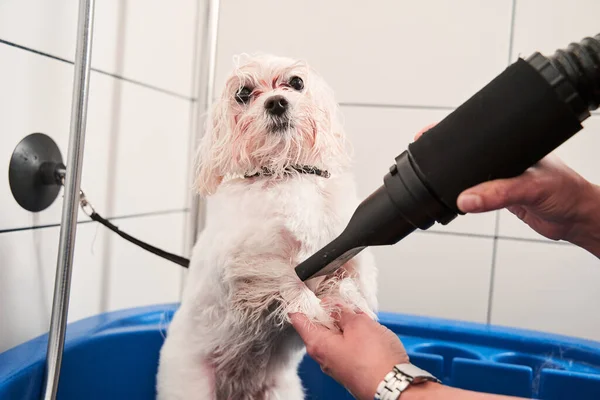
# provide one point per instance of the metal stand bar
(68, 226)
(205, 94)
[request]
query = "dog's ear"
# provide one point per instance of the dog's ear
(209, 163)
(333, 142)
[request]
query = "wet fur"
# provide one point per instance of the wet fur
(231, 337)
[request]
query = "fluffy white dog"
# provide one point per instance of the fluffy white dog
(276, 163)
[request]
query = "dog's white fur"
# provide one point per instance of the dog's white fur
(231, 337)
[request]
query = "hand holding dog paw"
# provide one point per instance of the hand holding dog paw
(358, 355)
(361, 352)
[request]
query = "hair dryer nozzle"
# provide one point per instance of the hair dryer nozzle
(521, 116)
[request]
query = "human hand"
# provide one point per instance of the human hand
(358, 355)
(550, 197)
(361, 353)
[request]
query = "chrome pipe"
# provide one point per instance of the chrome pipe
(68, 225)
(204, 94)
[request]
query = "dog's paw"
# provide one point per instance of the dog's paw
(346, 291)
(306, 302)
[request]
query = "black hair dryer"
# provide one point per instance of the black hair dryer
(521, 116)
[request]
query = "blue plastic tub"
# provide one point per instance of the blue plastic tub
(114, 356)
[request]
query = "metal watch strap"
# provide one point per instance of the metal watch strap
(398, 379)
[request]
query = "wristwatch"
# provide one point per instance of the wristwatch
(398, 379)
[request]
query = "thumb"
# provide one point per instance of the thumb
(309, 331)
(498, 194)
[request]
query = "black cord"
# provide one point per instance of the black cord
(184, 262)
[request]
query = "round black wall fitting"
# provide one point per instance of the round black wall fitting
(35, 172)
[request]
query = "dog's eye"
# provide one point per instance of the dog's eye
(297, 83)
(243, 95)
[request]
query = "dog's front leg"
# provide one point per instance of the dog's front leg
(270, 289)
(345, 286)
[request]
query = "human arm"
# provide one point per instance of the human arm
(361, 352)
(434, 391)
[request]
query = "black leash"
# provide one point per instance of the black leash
(88, 209)
(184, 262)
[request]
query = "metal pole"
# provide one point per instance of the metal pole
(68, 226)
(205, 94)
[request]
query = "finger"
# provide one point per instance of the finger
(318, 339)
(348, 317)
(422, 131)
(497, 194)
(333, 305)
(308, 331)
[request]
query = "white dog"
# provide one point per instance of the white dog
(275, 160)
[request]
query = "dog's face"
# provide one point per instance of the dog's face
(274, 112)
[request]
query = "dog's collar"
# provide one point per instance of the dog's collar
(303, 169)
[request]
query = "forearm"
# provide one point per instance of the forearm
(434, 391)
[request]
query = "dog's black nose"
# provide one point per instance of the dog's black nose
(276, 105)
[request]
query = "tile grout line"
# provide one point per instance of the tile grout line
(492, 236)
(488, 317)
(39, 53)
(400, 106)
(145, 85)
(511, 37)
(193, 99)
(133, 81)
(191, 130)
(116, 218)
(185, 210)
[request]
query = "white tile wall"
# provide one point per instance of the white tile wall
(547, 287)
(108, 273)
(135, 162)
(428, 52)
(546, 25)
(36, 97)
(144, 40)
(134, 134)
(436, 275)
(137, 277)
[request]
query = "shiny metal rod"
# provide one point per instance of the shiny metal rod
(205, 94)
(68, 226)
